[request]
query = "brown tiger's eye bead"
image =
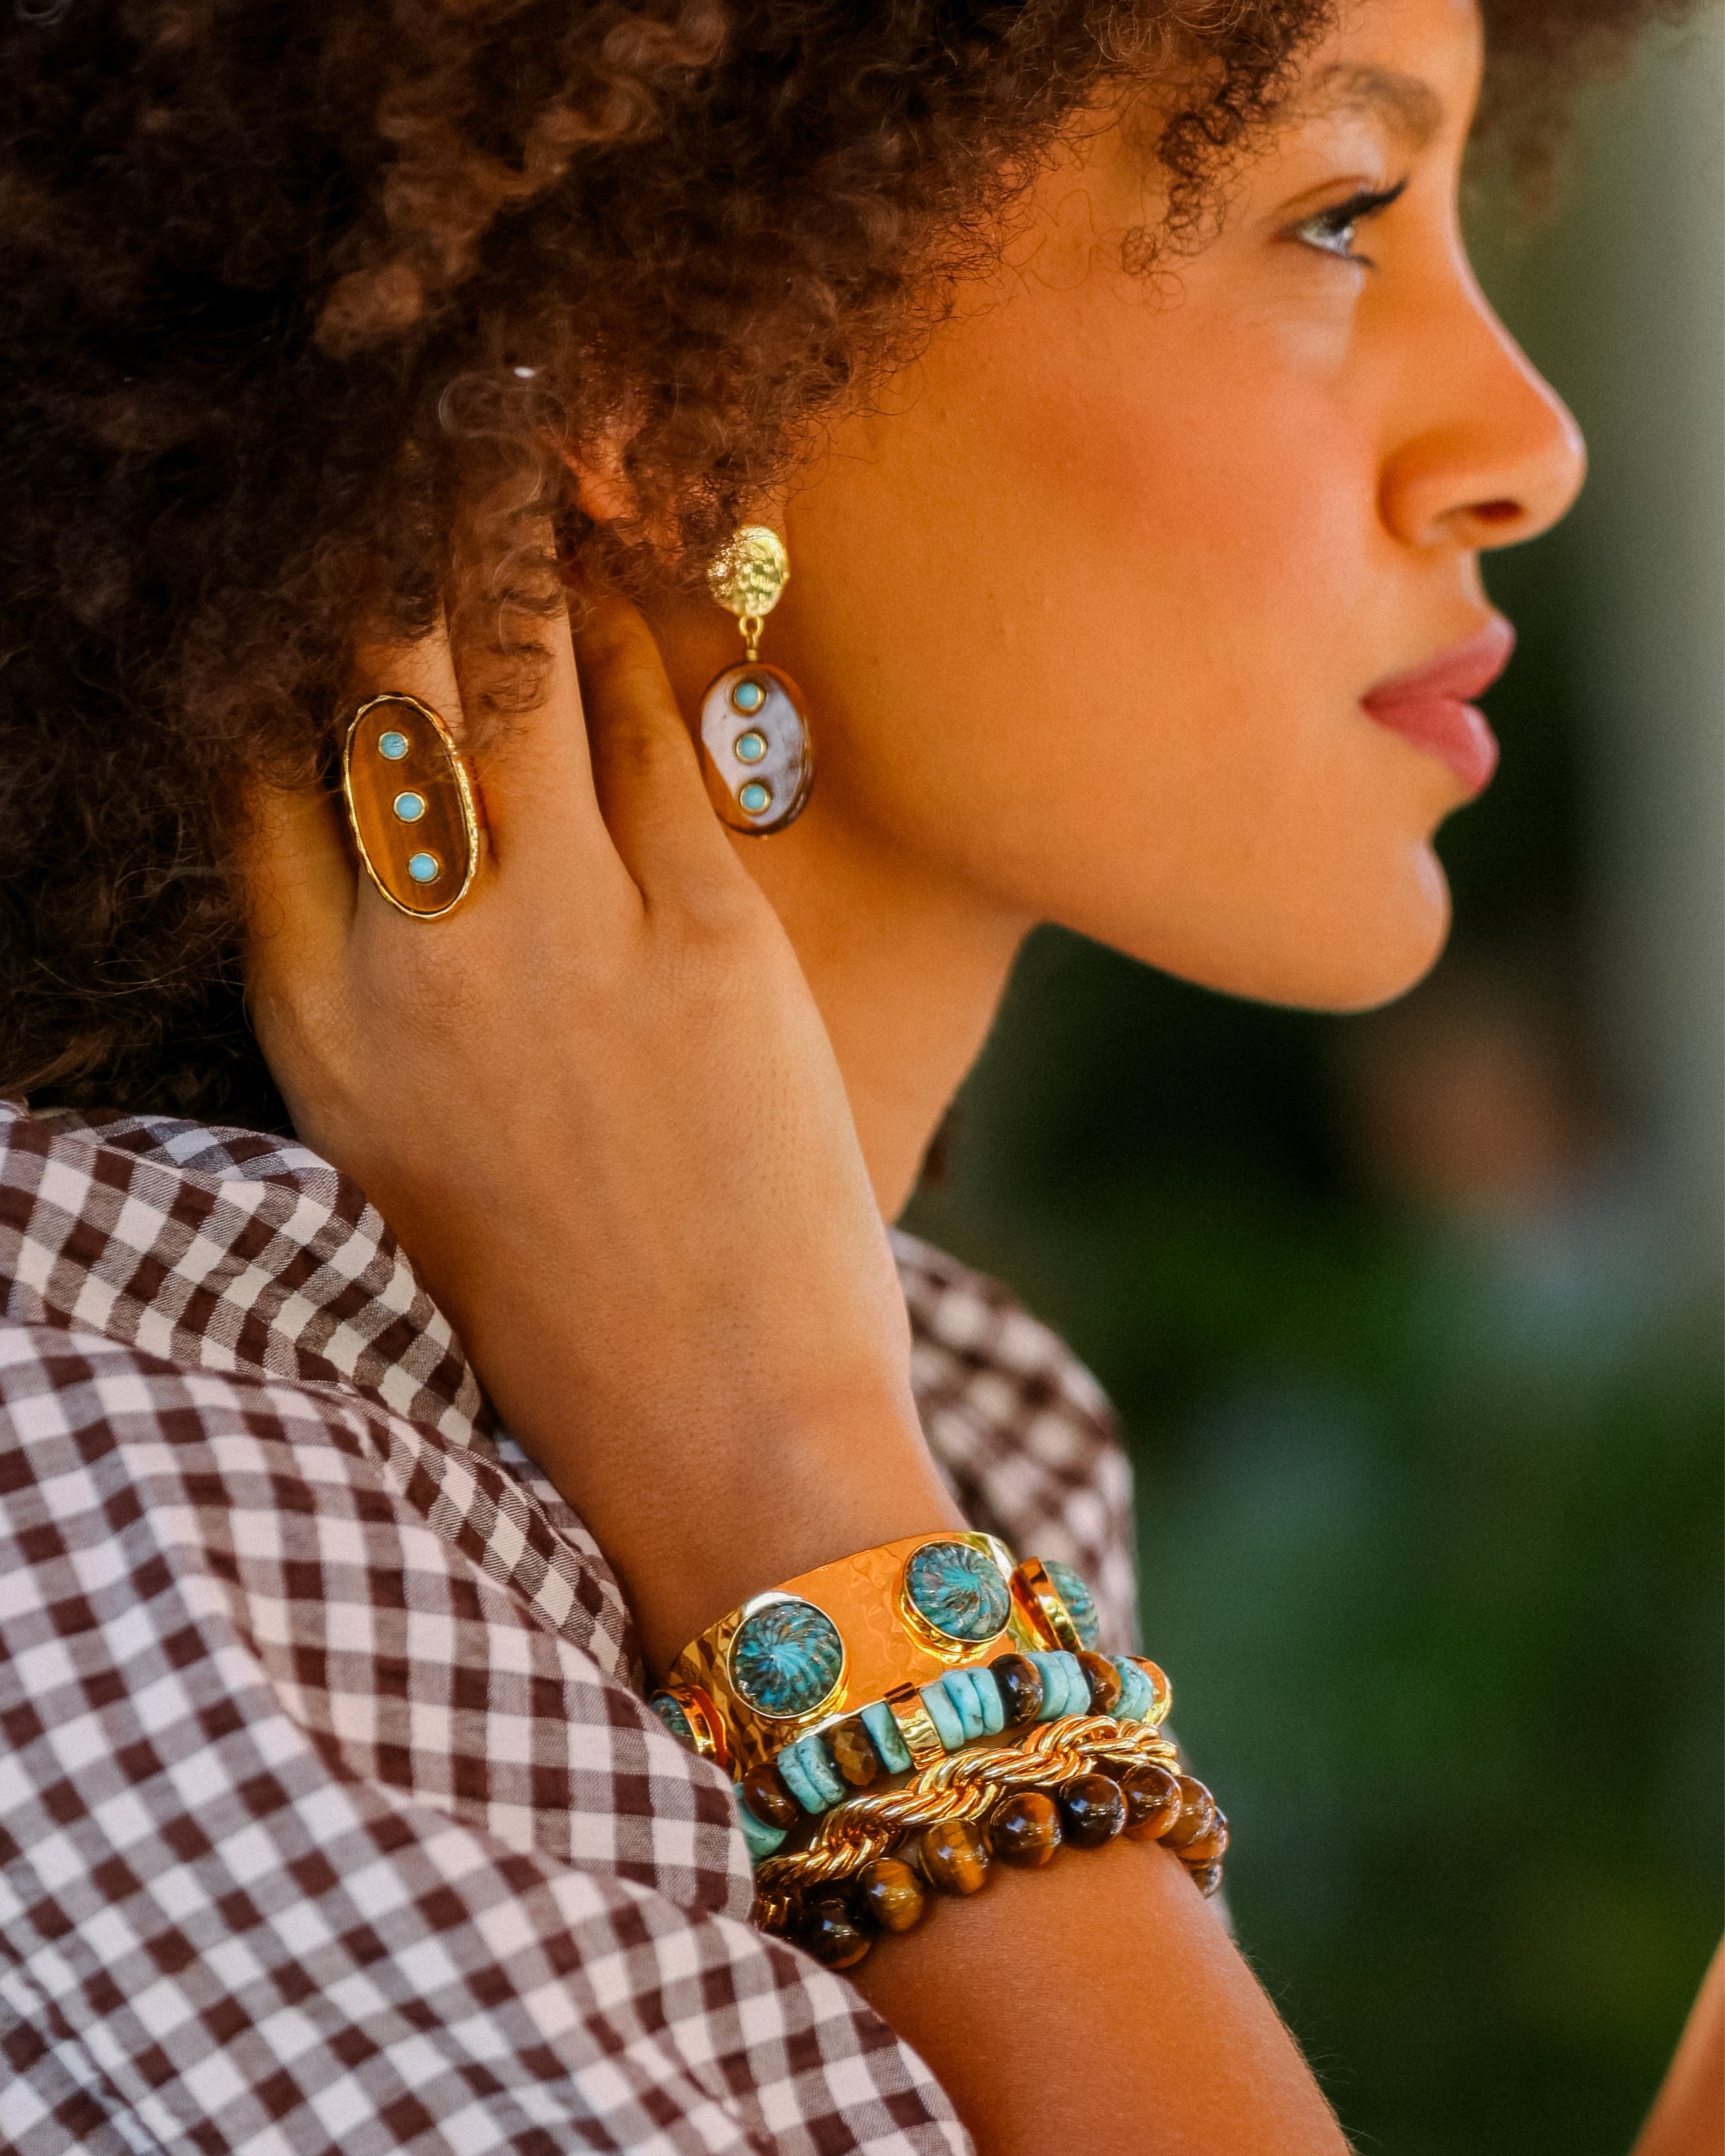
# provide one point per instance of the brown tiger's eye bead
(1206, 1848)
(832, 1936)
(953, 1857)
(892, 1894)
(1026, 1829)
(1207, 1878)
(1197, 1813)
(1020, 1683)
(764, 1793)
(1152, 1802)
(853, 1752)
(1092, 1810)
(1104, 1681)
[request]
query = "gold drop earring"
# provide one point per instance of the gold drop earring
(755, 751)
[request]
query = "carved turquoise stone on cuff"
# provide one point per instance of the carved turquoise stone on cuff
(671, 1713)
(786, 1659)
(958, 1590)
(1077, 1596)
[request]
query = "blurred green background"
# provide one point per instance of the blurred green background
(1414, 1320)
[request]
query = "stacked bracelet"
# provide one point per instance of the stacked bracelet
(1082, 1780)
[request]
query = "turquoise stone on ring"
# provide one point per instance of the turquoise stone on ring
(423, 868)
(1077, 1596)
(393, 745)
(785, 1659)
(958, 1590)
(409, 806)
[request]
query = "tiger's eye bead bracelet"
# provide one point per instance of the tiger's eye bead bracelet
(876, 1863)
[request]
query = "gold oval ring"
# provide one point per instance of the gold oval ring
(412, 805)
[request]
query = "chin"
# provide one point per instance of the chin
(1343, 950)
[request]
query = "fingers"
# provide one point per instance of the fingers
(300, 885)
(425, 668)
(592, 779)
(535, 775)
(645, 770)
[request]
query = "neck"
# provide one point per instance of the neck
(907, 976)
(907, 967)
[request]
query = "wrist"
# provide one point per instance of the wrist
(700, 1505)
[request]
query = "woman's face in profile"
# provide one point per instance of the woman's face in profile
(1085, 608)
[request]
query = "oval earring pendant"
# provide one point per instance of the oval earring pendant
(755, 751)
(411, 805)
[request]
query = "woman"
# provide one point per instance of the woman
(1119, 386)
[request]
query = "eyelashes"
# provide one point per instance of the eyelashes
(1333, 231)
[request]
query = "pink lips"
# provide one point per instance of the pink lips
(1432, 706)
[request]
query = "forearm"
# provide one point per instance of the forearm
(1099, 2004)
(698, 1508)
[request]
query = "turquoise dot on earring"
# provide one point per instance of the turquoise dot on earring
(748, 696)
(755, 798)
(409, 806)
(751, 746)
(394, 746)
(423, 868)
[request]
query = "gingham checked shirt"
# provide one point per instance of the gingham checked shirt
(331, 1820)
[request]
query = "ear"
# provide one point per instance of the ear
(601, 487)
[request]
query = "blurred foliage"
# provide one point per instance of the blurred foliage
(1428, 1504)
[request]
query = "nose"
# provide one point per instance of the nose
(1491, 455)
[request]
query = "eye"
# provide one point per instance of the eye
(1333, 231)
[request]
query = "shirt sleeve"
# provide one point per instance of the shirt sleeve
(317, 1834)
(1023, 1433)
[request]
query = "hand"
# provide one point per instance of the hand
(598, 1105)
(1688, 2114)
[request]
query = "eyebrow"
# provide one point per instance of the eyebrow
(1407, 103)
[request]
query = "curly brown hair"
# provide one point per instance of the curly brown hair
(302, 296)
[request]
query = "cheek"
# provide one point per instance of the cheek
(1090, 620)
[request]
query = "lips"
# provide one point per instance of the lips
(1431, 707)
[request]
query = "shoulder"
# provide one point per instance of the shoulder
(1022, 1432)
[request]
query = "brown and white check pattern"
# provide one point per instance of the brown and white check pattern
(331, 1820)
